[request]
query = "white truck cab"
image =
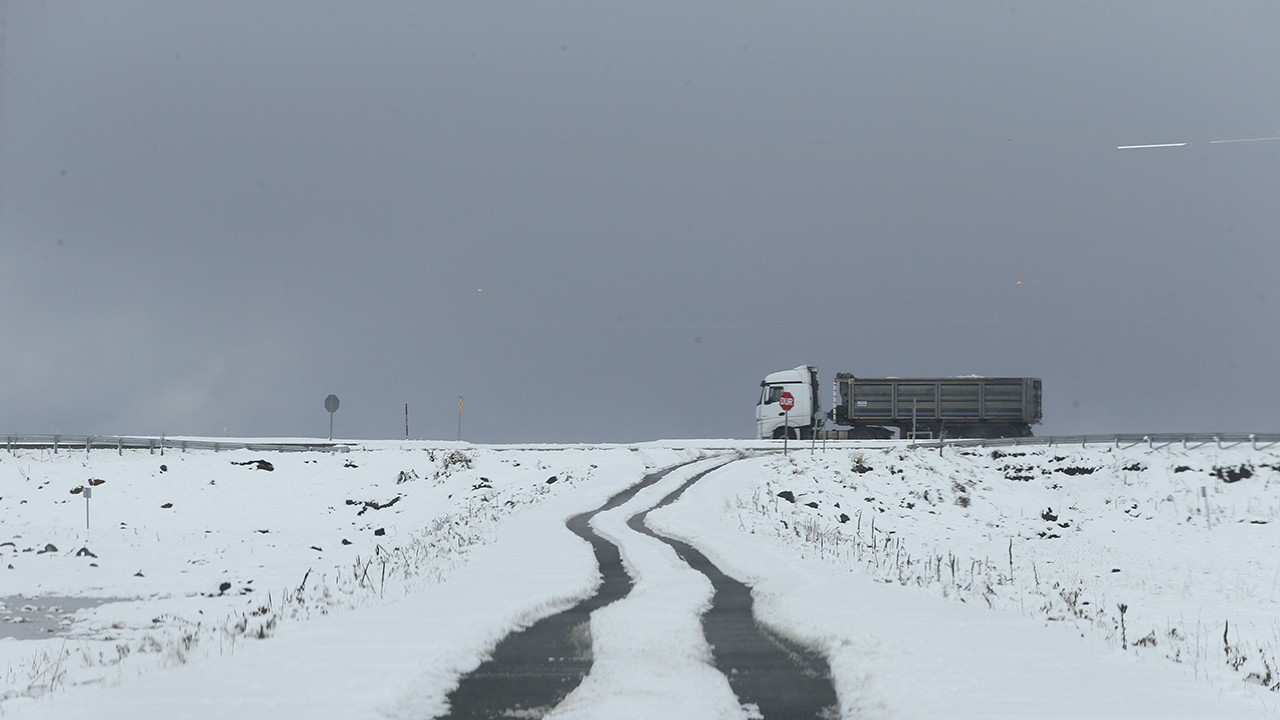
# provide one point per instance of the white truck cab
(772, 421)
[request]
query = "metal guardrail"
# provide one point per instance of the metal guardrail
(1257, 441)
(120, 443)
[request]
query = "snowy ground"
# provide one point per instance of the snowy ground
(966, 583)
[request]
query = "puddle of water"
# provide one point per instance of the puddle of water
(36, 618)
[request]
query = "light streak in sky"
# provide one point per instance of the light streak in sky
(1183, 144)
(1156, 145)
(1244, 140)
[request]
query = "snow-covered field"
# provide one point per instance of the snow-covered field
(971, 582)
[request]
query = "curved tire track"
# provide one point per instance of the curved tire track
(781, 678)
(533, 670)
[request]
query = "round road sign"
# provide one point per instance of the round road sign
(331, 403)
(786, 401)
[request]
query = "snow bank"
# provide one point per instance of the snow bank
(892, 560)
(472, 541)
(971, 583)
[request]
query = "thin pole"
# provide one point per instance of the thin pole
(406, 421)
(331, 426)
(459, 418)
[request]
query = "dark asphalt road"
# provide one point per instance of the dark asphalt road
(533, 670)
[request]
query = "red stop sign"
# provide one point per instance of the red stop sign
(786, 401)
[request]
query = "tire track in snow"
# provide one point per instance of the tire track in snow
(532, 670)
(780, 678)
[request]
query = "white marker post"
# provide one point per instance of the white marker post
(1208, 520)
(88, 493)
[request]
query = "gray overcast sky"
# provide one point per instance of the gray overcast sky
(213, 214)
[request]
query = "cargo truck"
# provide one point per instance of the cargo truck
(872, 408)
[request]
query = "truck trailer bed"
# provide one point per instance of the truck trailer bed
(958, 399)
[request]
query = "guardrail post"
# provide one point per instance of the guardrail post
(1218, 440)
(55, 444)
(120, 446)
(161, 444)
(88, 442)
(1253, 440)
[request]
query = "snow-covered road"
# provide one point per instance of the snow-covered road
(368, 585)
